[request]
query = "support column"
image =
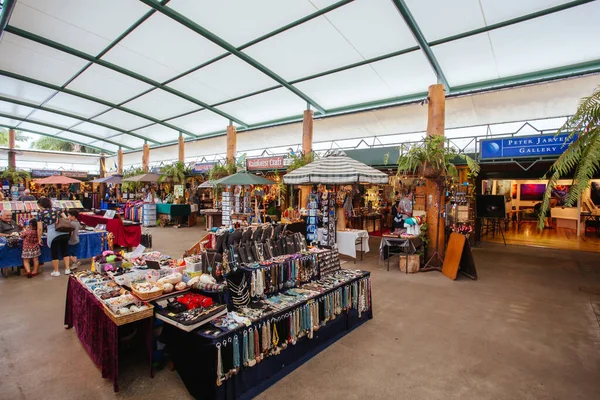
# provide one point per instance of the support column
(307, 141)
(120, 161)
(434, 196)
(231, 143)
(102, 186)
(181, 148)
(12, 154)
(146, 157)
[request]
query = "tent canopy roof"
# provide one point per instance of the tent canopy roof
(113, 73)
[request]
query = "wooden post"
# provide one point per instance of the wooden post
(181, 148)
(102, 186)
(12, 154)
(146, 157)
(434, 197)
(120, 161)
(307, 140)
(231, 143)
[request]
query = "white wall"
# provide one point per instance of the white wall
(548, 100)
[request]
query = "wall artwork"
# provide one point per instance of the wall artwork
(560, 193)
(502, 188)
(532, 191)
(514, 191)
(595, 193)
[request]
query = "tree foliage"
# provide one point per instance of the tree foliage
(57, 144)
(582, 156)
(19, 137)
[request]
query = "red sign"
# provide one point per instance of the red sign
(265, 163)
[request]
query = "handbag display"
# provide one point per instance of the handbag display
(64, 225)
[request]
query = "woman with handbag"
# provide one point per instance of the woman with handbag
(58, 230)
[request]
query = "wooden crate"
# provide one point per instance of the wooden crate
(414, 263)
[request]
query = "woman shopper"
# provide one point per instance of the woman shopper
(31, 248)
(57, 241)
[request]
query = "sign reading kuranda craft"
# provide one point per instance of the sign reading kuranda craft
(202, 168)
(265, 163)
(41, 173)
(525, 146)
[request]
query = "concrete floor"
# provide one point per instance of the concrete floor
(524, 330)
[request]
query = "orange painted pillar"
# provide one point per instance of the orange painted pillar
(146, 157)
(181, 148)
(434, 197)
(231, 143)
(12, 154)
(307, 140)
(120, 161)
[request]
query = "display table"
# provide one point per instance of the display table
(174, 210)
(391, 245)
(91, 244)
(194, 354)
(124, 235)
(98, 334)
(351, 240)
(213, 218)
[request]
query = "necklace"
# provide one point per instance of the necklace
(275, 336)
(219, 365)
(236, 353)
(257, 355)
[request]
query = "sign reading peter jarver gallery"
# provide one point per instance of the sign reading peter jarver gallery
(525, 146)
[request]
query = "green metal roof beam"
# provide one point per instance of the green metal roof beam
(5, 13)
(420, 38)
(62, 129)
(84, 56)
(90, 98)
(569, 71)
(509, 22)
(266, 36)
(57, 137)
(66, 114)
(188, 23)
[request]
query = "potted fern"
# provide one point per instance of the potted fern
(432, 160)
(15, 176)
(174, 172)
(581, 158)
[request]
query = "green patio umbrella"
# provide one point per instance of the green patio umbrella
(243, 178)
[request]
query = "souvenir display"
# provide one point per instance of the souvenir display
(329, 262)
(189, 311)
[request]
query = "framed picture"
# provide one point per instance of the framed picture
(110, 214)
(503, 187)
(514, 191)
(595, 193)
(533, 191)
(560, 192)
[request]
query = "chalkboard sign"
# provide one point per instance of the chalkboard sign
(459, 258)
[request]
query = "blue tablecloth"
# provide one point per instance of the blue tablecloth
(91, 244)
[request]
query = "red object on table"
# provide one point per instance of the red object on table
(98, 334)
(125, 235)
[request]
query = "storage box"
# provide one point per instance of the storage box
(414, 263)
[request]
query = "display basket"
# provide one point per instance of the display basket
(146, 296)
(129, 318)
(128, 278)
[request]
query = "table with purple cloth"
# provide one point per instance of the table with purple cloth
(98, 334)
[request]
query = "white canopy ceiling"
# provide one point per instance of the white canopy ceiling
(116, 73)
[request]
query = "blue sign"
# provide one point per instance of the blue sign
(525, 146)
(202, 168)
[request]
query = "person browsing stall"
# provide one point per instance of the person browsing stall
(31, 248)
(57, 241)
(7, 224)
(74, 239)
(27, 196)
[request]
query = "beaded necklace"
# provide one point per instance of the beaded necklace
(245, 348)
(236, 353)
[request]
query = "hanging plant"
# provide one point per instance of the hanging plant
(132, 186)
(15, 175)
(432, 160)
(174, 172)
(300, 160)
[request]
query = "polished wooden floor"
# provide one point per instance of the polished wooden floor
(558, 238)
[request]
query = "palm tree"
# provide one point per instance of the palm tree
(19, 137)
(174, 172)
(57, 144)
(582, 157)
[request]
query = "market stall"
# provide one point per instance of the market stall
(335, 169)
(90, 244)
(125, 235)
